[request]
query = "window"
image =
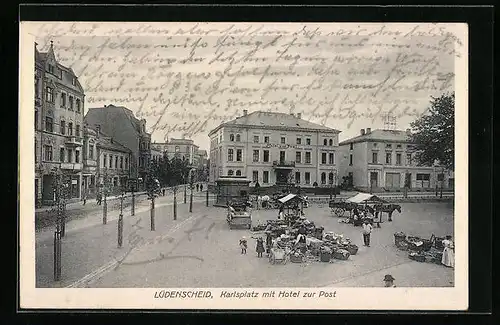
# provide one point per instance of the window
(299, 140)
(374, 158)
(229, 154)
(230, 172)
(91, 151)
(50, 94)
(238, 138)
(63, 99)
(73, 81)
(351, 146)
(374, 145)
(330, 142)
(238, 154)
(323, 157)
(323, 178)
(298, 157)
(255, 155)
(70, 155)
(265, 177)
(308, 157)
(255, 176)
(121, 162)
(126, 162)
(325, 142)
(78, 105)
(388, 158)
(423, 180)
(61, 155)
(350, 159)
(63, 127)
(440, 177)
(70, 128)
(388, 145)
(307, 176)
(77, 156)
(47, 153)
(331, 158)
(408, 159)
(111, 161)
(308, 141)
(398, 146)
(78, 130)
(238, 172)
(256, 139)
(49, 124)
(266, 139)
(266, 155)
(330, 178)
(231, 137)
(71, 102)
(398, 159)
(297, 177)
(116, 162)
(283, 141)
(105, 160)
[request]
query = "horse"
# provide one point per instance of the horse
(388, 208)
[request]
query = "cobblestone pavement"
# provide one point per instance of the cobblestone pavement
(200, 251)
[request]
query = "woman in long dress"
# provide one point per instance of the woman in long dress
(448, 258)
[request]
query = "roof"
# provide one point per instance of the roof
(109, 115)
(289, 197)
(261, 119)
(364, 198)
(233, 179)
(179, 141)
(109, 143)
(379, 135)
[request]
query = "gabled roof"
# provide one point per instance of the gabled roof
(110, 143)
(274, 120)
(118, 116)
(379, 135)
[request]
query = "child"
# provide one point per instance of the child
(243, 245)
(260, 247)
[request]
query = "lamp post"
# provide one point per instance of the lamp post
(105, 195)
(191, 179)
(441, 183)
(120, 220)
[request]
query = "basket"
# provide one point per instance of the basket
(352, 249)
(325, 257)
(341, 254)
(417, 257)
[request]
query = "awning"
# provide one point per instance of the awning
(365, 198)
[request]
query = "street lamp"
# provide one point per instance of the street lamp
(191, 179)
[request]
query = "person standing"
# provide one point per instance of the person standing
(197, 187)
(201, 187)
(260, 247)
(243, 245)
(448, 258)
(84, 196)
(389, 281)
(259, 201)
(99, 198)
(269, 242)
(367, 230)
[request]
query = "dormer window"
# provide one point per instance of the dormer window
(73, 81)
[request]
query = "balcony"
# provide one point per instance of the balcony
(283, 164)
(71, 166)
(74, 141)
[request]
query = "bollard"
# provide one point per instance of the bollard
(120, 231)
(184, 194)
(152, 215)
(105, 212)
(207, 197)
(175, 205)
(132, 212)
(57, 255)
(191, 200)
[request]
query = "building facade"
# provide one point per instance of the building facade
(156, 155)
(184, 149)
(59, 111)
(120, 124)
(274, 149)
(381, 160)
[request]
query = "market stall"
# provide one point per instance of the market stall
(420, 249)
(362, 203)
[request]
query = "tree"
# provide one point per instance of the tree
(433, 133)
(153, 188)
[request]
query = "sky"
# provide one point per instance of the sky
(186, 78)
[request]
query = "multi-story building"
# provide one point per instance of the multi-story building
(274, 149)
(381, 160)
(59, 107)
(90, 159)
(119, 123)
(182, 148)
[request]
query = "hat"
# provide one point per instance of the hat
(388, 277)
(243, 237)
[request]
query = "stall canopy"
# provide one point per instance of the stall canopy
(290, 198)
(365, 198)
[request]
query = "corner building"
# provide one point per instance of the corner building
(274, 149)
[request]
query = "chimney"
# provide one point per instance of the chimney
(362, 131)
(368, 130)
(299, 115)
(245, 112)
